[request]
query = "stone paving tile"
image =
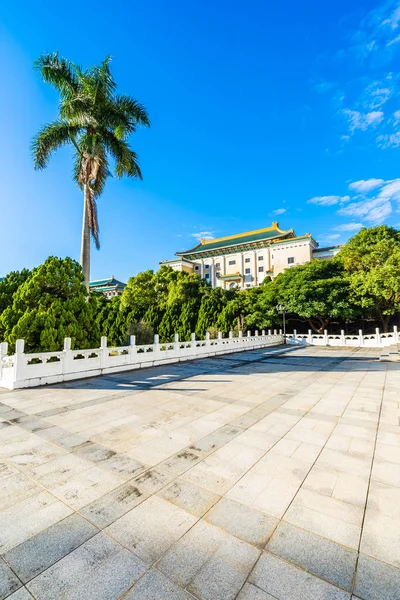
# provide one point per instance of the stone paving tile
(242, 521)
(251, 592)
(115, 504)
(153, 586)
(114, 577)
(328, 517)
(96, 558)
(315, 554)
(376, 580)
(15, 488)
(38, 553)
(21, 594)
(9, 582)
(190, 497)
(285, 581)
(29, 517)
(209, 562)
(86, 487)
(152, 527)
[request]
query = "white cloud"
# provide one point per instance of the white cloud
(349, 227)
(361, 121)
(375, 210)
(377, 93)
(396, 115)
(206, 235)
(279, 211)
(391, 190)
(389, 140)
(328, 200)
(365, 185)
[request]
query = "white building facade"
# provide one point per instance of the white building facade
(245, 259)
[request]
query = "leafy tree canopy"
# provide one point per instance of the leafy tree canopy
(371, 259)
(9, 286)
(49, 306)
(316, 291)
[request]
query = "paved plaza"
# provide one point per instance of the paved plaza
(272, 474)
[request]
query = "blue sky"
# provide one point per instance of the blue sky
(260, 111)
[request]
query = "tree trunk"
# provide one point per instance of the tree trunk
(85, 242)
(385, 323)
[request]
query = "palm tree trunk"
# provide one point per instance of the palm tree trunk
(85, 243)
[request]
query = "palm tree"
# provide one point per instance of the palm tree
(97, 122)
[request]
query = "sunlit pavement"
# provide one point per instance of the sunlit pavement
(260, 475)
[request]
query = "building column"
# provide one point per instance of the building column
(255, 268)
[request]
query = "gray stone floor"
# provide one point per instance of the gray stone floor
(271, 474)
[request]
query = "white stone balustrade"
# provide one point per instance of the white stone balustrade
(372, 340)
(22, 370)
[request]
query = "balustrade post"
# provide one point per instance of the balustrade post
(395, 334)
(67, 358)
(207, 339)
(280, 332)
(294, 334)
(263, 332)
(256, 333)
(3, 353)
(378, 337)
(342, 338)
(309, 337)
(275, 332)
(249, 334)
(269, 332)
(325, 337)
(132, 349)
(360, 337)
(156, 345)
(176, 343)
(20, 361)
(230, 335)
(193, 340)
(103, 352)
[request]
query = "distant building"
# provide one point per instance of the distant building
(245, 259)
(109, 287)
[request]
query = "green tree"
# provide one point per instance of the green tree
(112, 320)
(212, 304)
(49, 306)
(183, 304)
(9, 285)
(316, 291)
(97, 123)
(372, 262)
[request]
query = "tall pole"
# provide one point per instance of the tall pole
(284, 322)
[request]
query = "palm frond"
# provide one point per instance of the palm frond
(126, 161)
(132, 109)
(50, 138)
(59, 72)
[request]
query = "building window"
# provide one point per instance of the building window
(207, 275)
(217, 265)
(272, 256)
(217, 274)
(247, 271)
(247, 285)
(290, 260)
(260, 269)
(247, 260)
(260, 258)
(232, 262)
(207, 266)
(196, 268)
